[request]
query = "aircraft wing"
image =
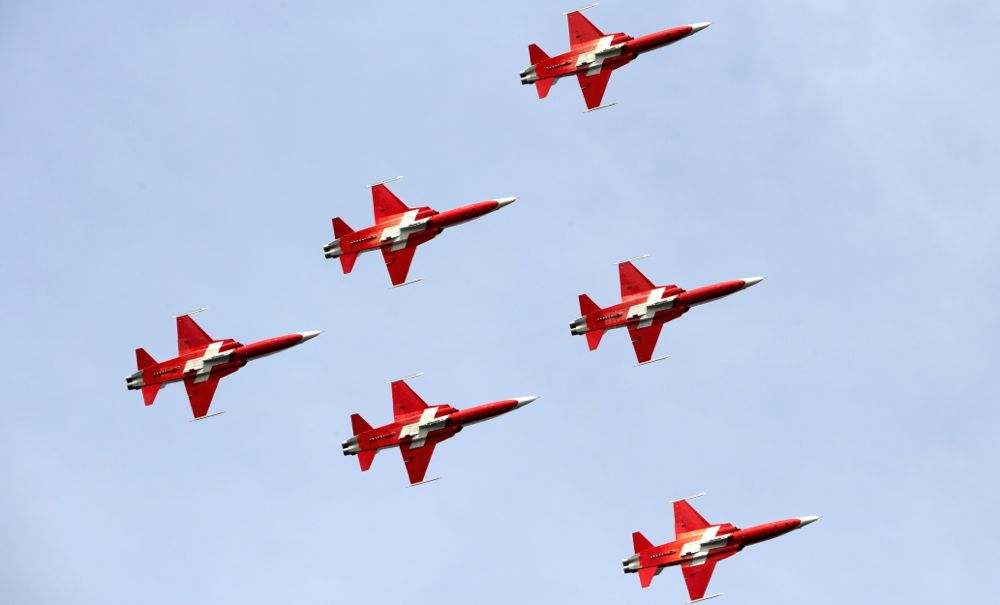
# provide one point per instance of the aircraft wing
(398, 263)
(417, 460)
(697, 577)
(686, 518)
(386, 203)
(190, 336)
(632, 280)
(404, 401)
(581, 30)
(200, 393)
(644, 340)
(593, 86)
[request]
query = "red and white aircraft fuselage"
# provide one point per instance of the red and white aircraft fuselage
(593, 55)
(398, 230)
(417, 427)
(201, 362)
(645, 307)
(698, 545)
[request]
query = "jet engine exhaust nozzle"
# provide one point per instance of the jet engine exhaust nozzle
(135, 382)
(578, 327)
(350, 446)
(631, 564)
(332, 250)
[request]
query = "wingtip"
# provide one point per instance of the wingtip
(191, 312)
(698, 495)
(407, 377)
(395, 178)
(582, 8)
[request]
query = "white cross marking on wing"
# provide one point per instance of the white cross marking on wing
(423, 427)
(202, 366)
(402, 230)
(700, 548)
(642, 311)
(595, 58)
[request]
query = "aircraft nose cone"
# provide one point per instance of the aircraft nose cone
(307, 335)
(504, 201)
(697, 27)
(523, 401)
(751, 281)
(803, 521)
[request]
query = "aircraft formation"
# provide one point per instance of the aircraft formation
(416, 427)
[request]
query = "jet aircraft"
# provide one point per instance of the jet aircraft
(398, 230)
(698, 545)
(593, 55)
(645, 308)
(201, 362)
(416, 428)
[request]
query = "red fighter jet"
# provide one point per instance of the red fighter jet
(645, 308)
(416, 428)
(398, 230)
(698, 545)
(201, 362)
(593, 55)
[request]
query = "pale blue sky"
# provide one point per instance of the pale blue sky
(162, 157)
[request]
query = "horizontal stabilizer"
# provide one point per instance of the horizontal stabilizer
(639, 542)
(347, 261)
(646, 575)
(543, 87)
(340, 228)
(143, 359)
(536, 54)
(366, 458)
(594, 339)
(359, 425)
(587, 306)
(149, 393)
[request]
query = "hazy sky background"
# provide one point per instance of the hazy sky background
(155, 158)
